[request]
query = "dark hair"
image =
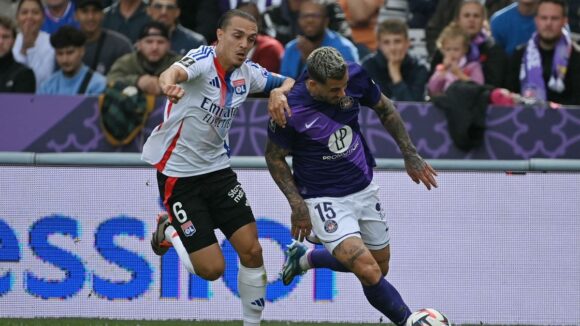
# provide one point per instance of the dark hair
(38, 2)
(224, 20)
(67, 36)
(561, 3)
(323, 4)
(9, 24)
(393, 26)
(154, 28)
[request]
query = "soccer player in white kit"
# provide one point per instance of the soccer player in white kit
(190, 151)
(331, 189)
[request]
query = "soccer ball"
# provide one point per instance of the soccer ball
(427, 317)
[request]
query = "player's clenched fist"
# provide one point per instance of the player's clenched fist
(173, 92)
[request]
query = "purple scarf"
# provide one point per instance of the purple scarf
(531, 70)
(474, 53)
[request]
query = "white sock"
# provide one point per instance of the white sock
(252, 288)
(303, 261)
(172, 236)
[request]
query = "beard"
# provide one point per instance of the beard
(315, 38)
(550, 40)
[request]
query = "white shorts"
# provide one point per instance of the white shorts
(358, 215)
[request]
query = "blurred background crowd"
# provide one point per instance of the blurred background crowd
(413, 49)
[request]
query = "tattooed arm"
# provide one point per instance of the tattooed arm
(282, 175)
(417, 168)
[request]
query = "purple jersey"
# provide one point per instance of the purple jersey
(330, 155)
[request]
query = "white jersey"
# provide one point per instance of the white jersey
(193, 137)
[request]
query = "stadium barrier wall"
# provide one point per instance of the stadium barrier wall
(497, 242)
(40, 123)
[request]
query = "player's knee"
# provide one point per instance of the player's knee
(369, 274)
(210, 272)
(252, 257)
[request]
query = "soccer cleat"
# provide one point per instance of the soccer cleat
(159, 244)
(291, 267)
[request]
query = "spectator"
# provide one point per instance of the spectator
(168, 12)
(32, 46)
(401, 76)
(126, 17)
(153, 56)
(282, 20)
(548, 66)
(202, 16)
(514, 25)
(58, 13)
(313, 21)
(446, 12)
(99, 57)
(454, 44)
(267, 51)
(471, 18)
(14, 77)
(362, 18)
(74, 77)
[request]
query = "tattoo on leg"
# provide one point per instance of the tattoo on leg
(357, 252)
(352, 254)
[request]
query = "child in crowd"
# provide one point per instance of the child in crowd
(454, 44)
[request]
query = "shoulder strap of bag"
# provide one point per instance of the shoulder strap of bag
(85, 83)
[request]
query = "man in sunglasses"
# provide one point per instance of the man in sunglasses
(182, 38)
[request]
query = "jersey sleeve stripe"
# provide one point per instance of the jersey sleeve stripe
(204, 53)
(273, 81)
(160, 166)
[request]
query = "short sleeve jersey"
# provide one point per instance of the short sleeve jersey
(330, 157)
(193, 137)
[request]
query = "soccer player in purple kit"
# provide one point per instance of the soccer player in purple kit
(331, 191)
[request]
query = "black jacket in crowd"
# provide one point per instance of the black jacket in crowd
(410, 88)
(15, 77)
(570, 96)
(492, 58)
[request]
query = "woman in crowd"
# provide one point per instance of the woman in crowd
(471, 17)
(32, 46)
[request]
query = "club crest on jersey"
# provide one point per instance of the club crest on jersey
(346, 103)
(330, 226)
(239, 86)
(188, 229)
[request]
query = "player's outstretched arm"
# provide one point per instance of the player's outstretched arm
(417, 168)
(280, 172)
(278, 103)
(169, 80)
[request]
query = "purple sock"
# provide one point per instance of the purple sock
(321, 258)
(385, 298)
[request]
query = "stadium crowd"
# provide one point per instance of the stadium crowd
(522, 50)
